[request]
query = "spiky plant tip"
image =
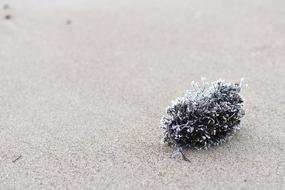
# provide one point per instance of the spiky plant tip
(209, 114)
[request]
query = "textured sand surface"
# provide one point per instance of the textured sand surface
(83, 85)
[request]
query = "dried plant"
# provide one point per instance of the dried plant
(207, 115)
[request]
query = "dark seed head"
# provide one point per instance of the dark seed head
(205, 116)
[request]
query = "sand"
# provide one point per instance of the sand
(83, 85)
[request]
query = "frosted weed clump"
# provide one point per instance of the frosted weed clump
(207, 115)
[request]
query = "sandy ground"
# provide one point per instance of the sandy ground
(83, 85)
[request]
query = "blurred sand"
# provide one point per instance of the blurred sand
(83, 85)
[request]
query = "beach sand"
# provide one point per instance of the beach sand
(83, 85)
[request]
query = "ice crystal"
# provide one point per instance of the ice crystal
(207, 115)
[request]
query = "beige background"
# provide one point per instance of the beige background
(82, 102)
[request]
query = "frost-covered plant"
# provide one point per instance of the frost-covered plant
(207, 115)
